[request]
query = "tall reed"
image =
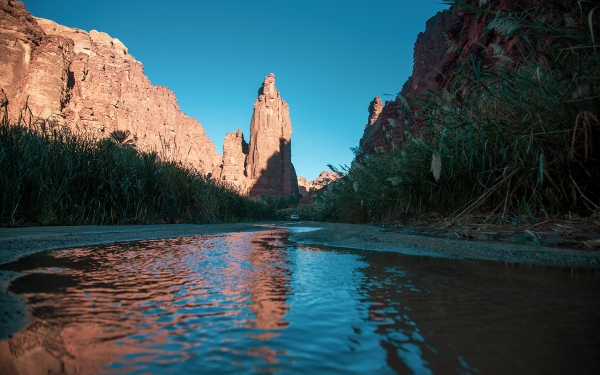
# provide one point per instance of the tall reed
(50, 176)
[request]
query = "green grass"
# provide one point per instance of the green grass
(50, 176)
(514, 138)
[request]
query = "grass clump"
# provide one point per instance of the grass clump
(50, 176)
(510, 136)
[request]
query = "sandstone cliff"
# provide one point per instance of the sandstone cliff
(268, 162)
(89, 82)
(233, 168)
(429, 56)
(450, 37)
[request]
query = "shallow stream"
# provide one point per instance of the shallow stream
(255, 302)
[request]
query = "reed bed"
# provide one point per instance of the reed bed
(516, 138)
(50, 176)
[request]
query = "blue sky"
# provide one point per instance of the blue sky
(330, 58)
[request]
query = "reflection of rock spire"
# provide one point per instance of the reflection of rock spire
(268, 289)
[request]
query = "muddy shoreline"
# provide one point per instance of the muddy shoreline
(387, 239)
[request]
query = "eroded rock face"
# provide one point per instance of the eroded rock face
(303, 186)
(89, 82)
(375, 109)
(19, 35)
(269, 162)
(235, 152)
(450, 37)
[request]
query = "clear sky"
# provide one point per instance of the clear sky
(329, 57)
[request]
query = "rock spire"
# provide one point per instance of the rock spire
(269, 168)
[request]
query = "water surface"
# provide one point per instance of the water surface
(256, 303)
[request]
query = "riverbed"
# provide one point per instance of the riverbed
(262, 299)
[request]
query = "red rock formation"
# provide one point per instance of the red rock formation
(89, 82)
(304, 186)
(45, 87)
(269, 163)
(19, 33)
(3, 99)
(307, 187)
(450, 37)
(429, 56)
(375, 109)
(235, 152)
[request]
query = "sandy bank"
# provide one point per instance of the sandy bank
(384, 239)
(16, 242)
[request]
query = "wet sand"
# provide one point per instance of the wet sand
(388, 239)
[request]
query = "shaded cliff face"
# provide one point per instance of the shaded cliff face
(89, 82)
(430, 55)
(449, 39)
(269, 168)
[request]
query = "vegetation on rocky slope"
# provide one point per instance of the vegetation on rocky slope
(512, 137)
(49, 176)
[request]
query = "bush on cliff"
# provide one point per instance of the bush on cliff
(50, 176)
(512, 138)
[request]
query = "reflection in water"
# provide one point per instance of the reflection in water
(251, 302)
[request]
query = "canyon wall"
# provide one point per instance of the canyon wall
(449, 39)
(268, 162)
(89, 82)
(429, 57)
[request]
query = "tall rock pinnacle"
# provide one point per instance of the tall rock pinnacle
(268, 167)
(270, 154)
(235, 153)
